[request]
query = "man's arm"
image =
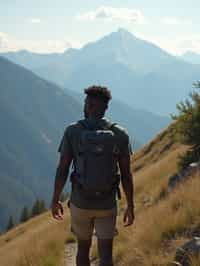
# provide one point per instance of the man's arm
(60, 180)
(128, 187)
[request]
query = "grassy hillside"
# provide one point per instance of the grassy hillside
(37, 242)
(161, 225)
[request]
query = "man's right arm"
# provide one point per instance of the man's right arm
(61, 176)
(66, 157)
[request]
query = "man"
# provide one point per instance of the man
(93, 196)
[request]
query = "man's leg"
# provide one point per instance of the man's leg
(105, 228)
(105, 247)
(82, 224)
(82, 257)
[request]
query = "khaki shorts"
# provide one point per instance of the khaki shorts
(85, 221)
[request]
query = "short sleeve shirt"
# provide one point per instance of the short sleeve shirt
(69, 145)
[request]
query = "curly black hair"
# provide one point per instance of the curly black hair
(100, 92)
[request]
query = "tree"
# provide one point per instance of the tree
(42, 207)
(35, 208)
(187, 126)
(25, 215)
(10, 223)
(38, 207)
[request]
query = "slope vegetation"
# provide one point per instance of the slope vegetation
(163, 222)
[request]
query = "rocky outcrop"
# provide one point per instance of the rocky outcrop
(178, 178)
(185, 253)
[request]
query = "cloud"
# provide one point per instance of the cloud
(7, 43)
(34, 20)
(190, 45)
(111, 13)
(177, 45)
(3, 40)
(175, 21)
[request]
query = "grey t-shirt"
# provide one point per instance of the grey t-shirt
(69, 145)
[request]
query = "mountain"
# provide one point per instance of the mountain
(33, 115)
(139, 72)
(191, 57)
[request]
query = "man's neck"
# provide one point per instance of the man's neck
(94, 116)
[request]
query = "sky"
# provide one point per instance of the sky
(46, 26)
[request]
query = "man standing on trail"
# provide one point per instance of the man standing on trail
(100, 150)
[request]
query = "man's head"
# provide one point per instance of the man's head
(96, 101)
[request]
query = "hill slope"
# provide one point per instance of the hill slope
(33, 115)
(162, 223)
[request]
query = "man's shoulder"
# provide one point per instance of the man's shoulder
(120, 130)
(72, 127)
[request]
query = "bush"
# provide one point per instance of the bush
(187, 127)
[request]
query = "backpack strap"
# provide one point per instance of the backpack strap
(86, 125)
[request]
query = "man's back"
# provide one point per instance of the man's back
(70, 144)
(97, 214)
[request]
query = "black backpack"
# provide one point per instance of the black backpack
(96, 167)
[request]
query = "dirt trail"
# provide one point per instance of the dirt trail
(70, 254)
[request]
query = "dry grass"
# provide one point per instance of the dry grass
(38, 242)
(162, 224)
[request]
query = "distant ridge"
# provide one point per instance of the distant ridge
(33, 115)
(137, 71)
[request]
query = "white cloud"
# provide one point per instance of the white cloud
(111, 13)
(34, 20)
(7, 43)
(178, 45)
(190, 45)
(3, 40)
(175, 21)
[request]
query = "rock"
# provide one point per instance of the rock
(183, 175)
(173, 181)
(188, 250)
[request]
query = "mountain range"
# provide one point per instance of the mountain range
(33, 115)
(139, 72)
(191, 57)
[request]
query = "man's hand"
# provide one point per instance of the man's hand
(129, 216)
(57, 210)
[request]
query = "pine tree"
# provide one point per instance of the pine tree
(42, 207)
(38, 207)
(25, 215)
(35, 208)
(10, 223)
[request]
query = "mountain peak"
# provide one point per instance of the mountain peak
(121, 35)
(124, 31)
